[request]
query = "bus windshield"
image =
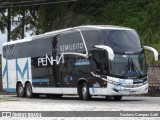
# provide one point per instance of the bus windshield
(128, 66)
(123, 39)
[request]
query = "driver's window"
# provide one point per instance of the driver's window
(99, 62)
(104, 63)
(96, 61)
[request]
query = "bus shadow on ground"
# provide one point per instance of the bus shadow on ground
(94, 98)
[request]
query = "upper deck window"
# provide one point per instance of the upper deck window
(123, 38)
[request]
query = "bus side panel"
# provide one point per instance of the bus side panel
(4, 74)
(23, 70)
(9, 75)
(12, 75)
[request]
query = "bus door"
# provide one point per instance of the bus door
(67, 74)
(99, 66)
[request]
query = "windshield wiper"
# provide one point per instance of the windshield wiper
(135, 67)
(126, 69)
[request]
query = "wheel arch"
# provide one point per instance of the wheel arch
(27, 83)
(24, 84)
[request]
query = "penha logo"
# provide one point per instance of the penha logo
(45, 60)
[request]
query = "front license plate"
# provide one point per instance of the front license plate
(132, 92)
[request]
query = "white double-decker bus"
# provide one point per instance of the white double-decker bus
(85, 60)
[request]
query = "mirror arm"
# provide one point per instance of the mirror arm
(108, 49)
(153, 50)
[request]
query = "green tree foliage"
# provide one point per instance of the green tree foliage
(24, 20)
(3, 20)
(152, 23)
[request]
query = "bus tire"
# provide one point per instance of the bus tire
(80, 91)
(85, 91)
(28, 90)
(20, 90)
(117, 98)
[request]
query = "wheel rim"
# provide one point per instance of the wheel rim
(20, 90)
(29, 90)
(84, 90)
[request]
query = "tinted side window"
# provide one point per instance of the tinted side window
(92, 37)
(41, 47)
(4, 51)
(35, 48)
(10, 51)
(70, 42)
(99, 61)
(96, 61)
(40, 73)
(23, 50)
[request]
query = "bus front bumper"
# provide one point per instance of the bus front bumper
(127, 90)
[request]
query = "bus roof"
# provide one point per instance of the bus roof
(86, 27)
(65, 30)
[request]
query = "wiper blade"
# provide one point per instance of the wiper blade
(135, 67)
(126, 69)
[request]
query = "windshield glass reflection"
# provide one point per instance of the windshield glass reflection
(128, 66)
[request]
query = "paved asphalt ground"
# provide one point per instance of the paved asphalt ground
(72, 103)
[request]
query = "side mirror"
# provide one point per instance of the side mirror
(108, 49)
(153, 50)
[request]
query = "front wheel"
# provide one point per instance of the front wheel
(28, 90)
(20, 90)
(85, 91)
(117, 98)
